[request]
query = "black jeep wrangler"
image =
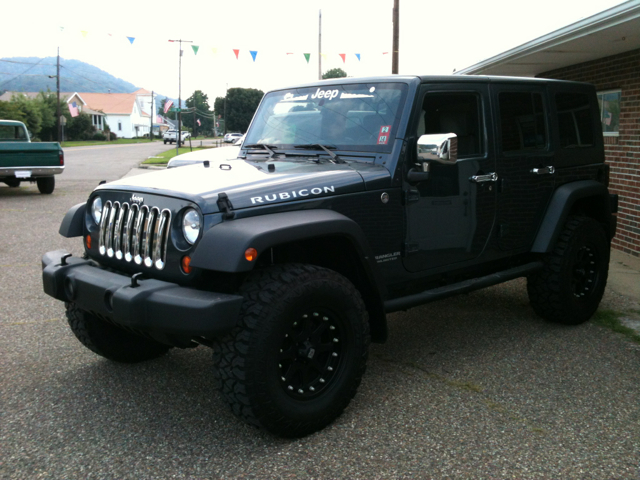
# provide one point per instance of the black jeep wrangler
(350, 199)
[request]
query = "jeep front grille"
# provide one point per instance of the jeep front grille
(134, 233)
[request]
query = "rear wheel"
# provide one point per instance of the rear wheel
(297, 357)
(12, 182)
(570, 286)
(110, 341)
(46, 184)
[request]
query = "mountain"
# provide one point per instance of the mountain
(32, 74)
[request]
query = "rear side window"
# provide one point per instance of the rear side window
(522, 122)
(574, 120)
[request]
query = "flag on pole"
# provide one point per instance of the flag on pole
(167, 105)
(199, 124)
(73, 109)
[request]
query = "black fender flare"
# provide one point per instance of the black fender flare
(560, 206)
(73, 222)
(222, 247)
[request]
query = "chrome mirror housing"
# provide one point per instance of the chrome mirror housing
(438, 147)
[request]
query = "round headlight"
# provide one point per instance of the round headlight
(191, 225)
(96, 210)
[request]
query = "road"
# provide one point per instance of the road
(470, 387)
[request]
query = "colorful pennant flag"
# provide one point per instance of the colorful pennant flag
(84, 33)
(307, 56)
(73, 109)
(195, 49)
(343, 56)
(167, 105)
(236, 51)
(131, 39)
(253, 53)
(358, 55)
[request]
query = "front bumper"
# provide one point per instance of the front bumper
(155, 307)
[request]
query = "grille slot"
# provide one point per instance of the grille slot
(133, 233)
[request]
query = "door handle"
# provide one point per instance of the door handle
(544, 170)
(490, 177)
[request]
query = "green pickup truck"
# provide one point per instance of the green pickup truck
(21, 160)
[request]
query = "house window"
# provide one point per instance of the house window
(119, 126)
(609, 102)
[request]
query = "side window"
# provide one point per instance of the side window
(457, 113)
(574, 120)
(522, 121)
(610, 111)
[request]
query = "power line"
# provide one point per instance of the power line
(32, 65)
(26, 63)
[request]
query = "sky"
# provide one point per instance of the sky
(436, 37)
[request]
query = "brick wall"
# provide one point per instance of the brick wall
(623, 152)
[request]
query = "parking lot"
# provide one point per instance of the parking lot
(471, 387)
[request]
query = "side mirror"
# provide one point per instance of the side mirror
(438, 147)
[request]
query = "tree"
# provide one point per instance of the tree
(334, 73)
(80, 127)
(241, 105)
(200, 102)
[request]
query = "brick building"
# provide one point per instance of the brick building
(603, 50)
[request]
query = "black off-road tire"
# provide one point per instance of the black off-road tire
(570, 286)
(46, 184)
(12, 182)
(295, 360)
(110, 341)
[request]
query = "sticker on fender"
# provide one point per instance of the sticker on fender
(383, 136)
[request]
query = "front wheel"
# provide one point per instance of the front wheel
(570, 286)
(297, 357)
(110, 341)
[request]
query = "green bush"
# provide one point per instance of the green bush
(99, 136)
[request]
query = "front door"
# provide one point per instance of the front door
(450, 215)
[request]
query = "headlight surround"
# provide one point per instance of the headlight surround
(96, 210)
(191, 225)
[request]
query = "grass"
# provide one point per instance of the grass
(611, 320)
(119, 141)
(164, 157)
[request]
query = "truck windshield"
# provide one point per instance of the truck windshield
(362, 117)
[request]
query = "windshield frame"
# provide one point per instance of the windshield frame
(386, 100)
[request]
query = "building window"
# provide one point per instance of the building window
(119, 126)
(609, 102)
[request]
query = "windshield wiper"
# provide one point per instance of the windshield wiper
(268, 148)
(314, 146)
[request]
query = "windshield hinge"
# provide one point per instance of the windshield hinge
(224, 205)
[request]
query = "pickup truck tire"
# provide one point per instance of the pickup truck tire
(295, 360)
(46, 184)
(12, 182)
(165, 142)
(110, 341)
(570, 286)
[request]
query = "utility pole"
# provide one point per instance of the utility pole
(58, 113)
(396, 35)
(226, 88)
(179, 139)
(152, 114)
(320, 45)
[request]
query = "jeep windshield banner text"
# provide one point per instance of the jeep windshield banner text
(347, 117)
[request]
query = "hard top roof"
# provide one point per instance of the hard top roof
(11, 123)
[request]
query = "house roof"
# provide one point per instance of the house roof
(113, 103)
(607, 33)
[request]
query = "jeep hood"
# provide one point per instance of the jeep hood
(253, 184)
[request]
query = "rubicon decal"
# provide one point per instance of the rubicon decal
(304, 192)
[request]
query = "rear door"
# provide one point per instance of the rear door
(525, 163)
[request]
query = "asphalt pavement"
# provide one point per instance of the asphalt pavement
(474, 386)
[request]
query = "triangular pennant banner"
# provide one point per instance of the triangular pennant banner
(323, 55)
(84, 33)
(214, 50)
(236, 51)
(358, 55)
(307, 56)
(195, 49)
(343, 56)
(131, 39)
(289, 53)
(253, 53)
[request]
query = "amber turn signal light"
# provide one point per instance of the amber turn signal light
(186, 264)
(88, 242)
(250, 254)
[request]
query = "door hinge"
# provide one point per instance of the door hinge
(411, 196)
(411, 247)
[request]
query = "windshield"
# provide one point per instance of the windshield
(348, 117)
